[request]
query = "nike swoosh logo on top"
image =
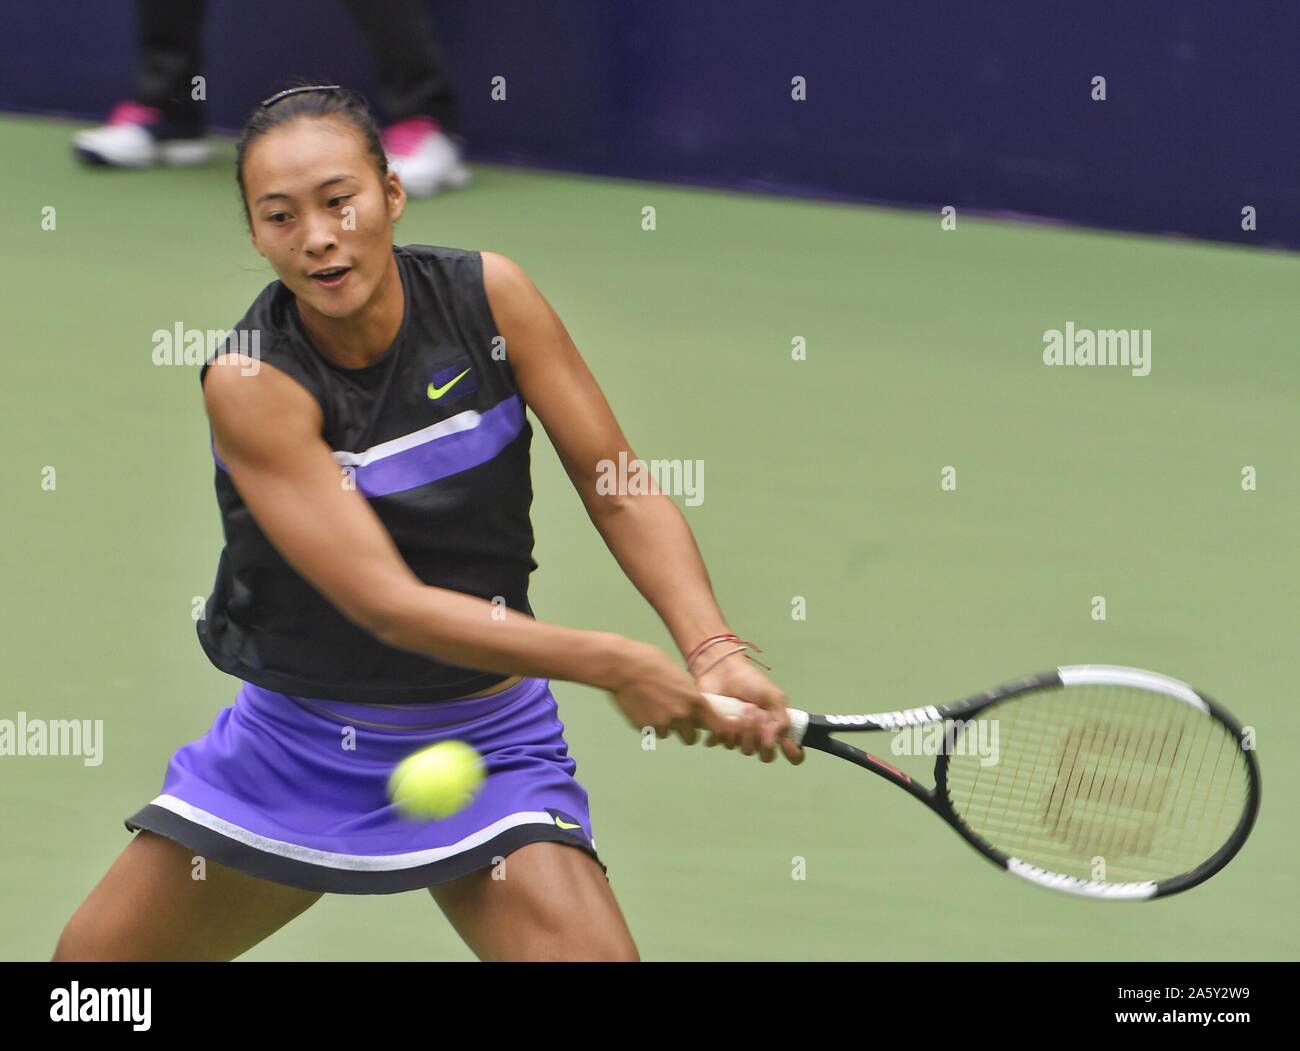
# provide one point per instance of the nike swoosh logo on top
(437, 392)
(564, 824)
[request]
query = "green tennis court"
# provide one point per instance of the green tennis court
(822, 482)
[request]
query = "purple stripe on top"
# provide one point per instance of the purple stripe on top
(213, 445)
(438, 457)
(446, 455)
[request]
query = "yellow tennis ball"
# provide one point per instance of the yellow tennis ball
(437, 781)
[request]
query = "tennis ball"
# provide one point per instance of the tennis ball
(437, 781)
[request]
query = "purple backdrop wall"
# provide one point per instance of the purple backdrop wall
(922, 103)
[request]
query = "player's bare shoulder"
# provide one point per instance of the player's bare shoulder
(502, 275)
(251, 403)
(515, 302)
(532, 331)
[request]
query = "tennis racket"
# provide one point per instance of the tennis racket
(1093, 780)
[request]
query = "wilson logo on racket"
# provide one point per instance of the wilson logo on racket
(888, 720)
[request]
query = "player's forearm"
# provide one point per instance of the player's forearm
(473, 633)
(649, 538)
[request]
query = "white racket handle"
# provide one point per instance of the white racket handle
(734, 707)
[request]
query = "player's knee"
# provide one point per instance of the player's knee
(613, 950)
(78, 944)
(564, 944)
(624, 954)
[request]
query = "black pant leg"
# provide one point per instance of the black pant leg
(169, 38)
(411, 81)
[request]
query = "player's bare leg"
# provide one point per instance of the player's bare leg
(149, 906)
(553, 903)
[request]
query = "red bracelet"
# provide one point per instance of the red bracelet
(707, 643)
(738, 649)
(734, 638)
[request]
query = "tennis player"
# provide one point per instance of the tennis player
(372, 470)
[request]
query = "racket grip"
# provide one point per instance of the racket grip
(734, 707)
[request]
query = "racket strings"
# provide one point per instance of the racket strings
(1090, 809)
(1084, 778)
(1090, 756)
(1101, 782)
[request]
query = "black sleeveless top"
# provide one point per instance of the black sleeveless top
(435, 436)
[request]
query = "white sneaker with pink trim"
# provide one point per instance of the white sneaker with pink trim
(424, 156)
(133, 138)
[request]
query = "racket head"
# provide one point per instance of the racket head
(1109, 782)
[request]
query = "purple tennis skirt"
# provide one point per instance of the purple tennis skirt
(294, 790)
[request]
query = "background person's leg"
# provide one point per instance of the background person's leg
(170, 34)
(411, 81)
(421, 136)
(553, 904)
(163, 124)
(149, 907)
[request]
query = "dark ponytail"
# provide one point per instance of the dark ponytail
(309, 101)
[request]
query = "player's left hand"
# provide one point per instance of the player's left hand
(766, 722)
